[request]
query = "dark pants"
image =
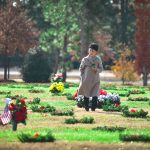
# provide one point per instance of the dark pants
(86, 103)
(94, 103)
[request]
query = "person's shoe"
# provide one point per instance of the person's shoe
(92, 109)
(87, 109)
(86, 103)
(94, 103)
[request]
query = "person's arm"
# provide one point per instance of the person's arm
(99, 66)
(82, 66)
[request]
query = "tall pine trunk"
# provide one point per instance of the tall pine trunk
(84, 40)
(56, 55)
(84, 34)
(5, 67)
(124, 16)
(64, 72)
(145, 76)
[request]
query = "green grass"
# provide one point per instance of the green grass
(74, 134)
(133, 104)
(61, 104)
(37, 122)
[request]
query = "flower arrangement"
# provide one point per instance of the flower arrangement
(36, 90)
(102, 99)
(36, 137)
(18, 111)
(56, 87)
(57, 77)
(114, 107)
(133, 112)
(124, 93)
(42, 109)
(34, 101)
(5, 92)
(76, 94)
(17, 97)
(112, 98)
(134, 137)
(62, 113)
(109, 86)
(102, 92)
(138, 99)
(137, 91)
(85, 119)
(110, 128)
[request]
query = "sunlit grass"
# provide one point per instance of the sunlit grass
(134, 104)
(74, 134)
(40, 122)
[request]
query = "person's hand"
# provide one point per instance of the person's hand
(94, 70)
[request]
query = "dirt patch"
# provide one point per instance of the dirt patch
(74, 146)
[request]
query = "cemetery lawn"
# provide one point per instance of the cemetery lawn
(79, 134)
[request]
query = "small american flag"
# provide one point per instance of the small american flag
(6, 116)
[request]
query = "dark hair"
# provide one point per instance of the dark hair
(94, 46)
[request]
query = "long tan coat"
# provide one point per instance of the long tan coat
(90, 80)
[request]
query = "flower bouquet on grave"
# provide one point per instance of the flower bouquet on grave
(133, 112)
(57, 78)
(36, 137)
(19, 112)
(56, 87)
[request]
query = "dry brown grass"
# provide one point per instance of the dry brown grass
(101, 117)
(74, 146)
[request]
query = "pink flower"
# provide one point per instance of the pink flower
(133, 110)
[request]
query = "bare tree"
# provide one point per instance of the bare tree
(17, 31)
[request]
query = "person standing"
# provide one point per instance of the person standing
(90, 67)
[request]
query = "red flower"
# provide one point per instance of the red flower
(36, 135)
(11, 106)
(133, 110)
(135, 91)
(22, 101)
(102, 92)
(116, 105)
(42, 108)
(20, 116)
(76, 94)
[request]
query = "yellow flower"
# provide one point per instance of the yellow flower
(59, 87)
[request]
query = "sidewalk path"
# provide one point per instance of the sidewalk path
(72, 76)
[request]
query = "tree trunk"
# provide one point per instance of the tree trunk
(56, 55)
(64, 71)
(123, 80)
(84, 34)
(145, 76)
(8, 68)
(84, 40)
(124, 13)
(5, 67)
